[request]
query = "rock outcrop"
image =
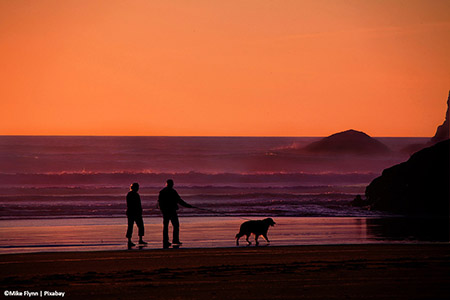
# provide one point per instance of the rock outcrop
(442, 132)
(348, 142)
(419, 186)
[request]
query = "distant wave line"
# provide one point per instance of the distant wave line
(188, 196)
(256, 173)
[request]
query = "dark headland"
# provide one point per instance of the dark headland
(419, 186)
(442, 134)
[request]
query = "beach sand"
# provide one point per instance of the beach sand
(99, 234)
(108, 234)
(376, 271)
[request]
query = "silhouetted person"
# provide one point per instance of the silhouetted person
(134, 214)
(168, 201)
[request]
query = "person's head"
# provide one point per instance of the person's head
(134, 187)
(169, 183)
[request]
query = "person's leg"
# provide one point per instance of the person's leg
(166, 219)
(176, 229)
(140, 225)
(130, 230)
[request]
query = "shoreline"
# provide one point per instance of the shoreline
(89, 234)
(93, 234)
(364, 271)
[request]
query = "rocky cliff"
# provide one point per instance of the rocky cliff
(442, 132)
(419, 186)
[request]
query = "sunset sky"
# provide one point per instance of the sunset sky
(223, 68)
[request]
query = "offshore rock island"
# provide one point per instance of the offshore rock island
(348, 142)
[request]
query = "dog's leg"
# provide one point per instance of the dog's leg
(248, 240)
(238, 236)
(266, 238)
(256, 239)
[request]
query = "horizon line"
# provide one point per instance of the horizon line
(193, 136)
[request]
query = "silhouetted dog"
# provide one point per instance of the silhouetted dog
(257, 228)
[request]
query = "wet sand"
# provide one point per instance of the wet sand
(376, 271)
(106, 234)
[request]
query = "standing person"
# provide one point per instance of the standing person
(134, 214)
(168, 201)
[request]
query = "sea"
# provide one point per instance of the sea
(60, 193)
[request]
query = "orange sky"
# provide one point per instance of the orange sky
(213, 67)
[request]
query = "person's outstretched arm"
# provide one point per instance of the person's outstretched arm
(183, 203)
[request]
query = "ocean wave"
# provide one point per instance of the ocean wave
(213, 208)
(210, 196)
(100, 194)
(122, 178)
(257, 204)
